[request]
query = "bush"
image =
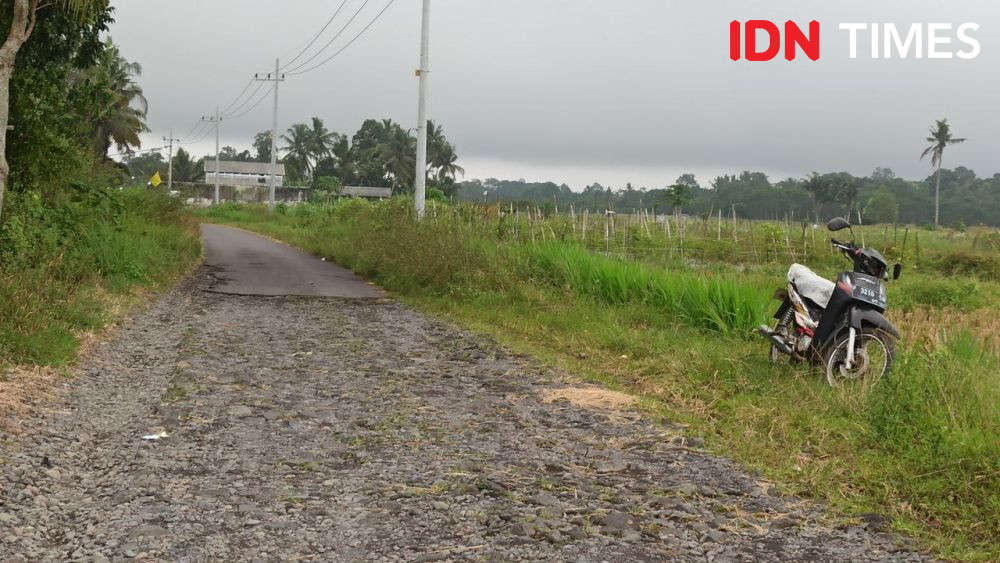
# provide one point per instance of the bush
(57, 258)
(962, 294)
(970, 264)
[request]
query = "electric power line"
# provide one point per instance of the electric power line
(295, 71)
(330, 42)
(245, 88)
(195, 132)
(251, 108)
(193, 129)
(245, 102)
(317, 36)
(135, 153)
(200, 137)
(349, 43)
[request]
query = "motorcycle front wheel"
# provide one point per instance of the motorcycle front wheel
(874, 352)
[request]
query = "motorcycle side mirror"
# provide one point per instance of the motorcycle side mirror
(896, 271)
(838, 224)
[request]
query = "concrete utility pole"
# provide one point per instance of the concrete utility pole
(170, 160)
(278, 78)
(216, 120)
(421, 172)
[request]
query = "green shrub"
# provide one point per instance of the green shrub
(970, 264)
(962, 294)
(56, 256)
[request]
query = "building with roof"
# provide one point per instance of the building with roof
(240, 174)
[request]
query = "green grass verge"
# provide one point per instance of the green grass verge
(923, 447)
(65, 268)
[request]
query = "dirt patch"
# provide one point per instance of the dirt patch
(26, 393)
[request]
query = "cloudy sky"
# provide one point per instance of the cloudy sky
(582, 91)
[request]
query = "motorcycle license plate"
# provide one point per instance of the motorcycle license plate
(870, 290)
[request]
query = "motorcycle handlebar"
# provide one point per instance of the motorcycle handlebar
(846, 247)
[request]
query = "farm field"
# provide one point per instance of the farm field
(666, 310)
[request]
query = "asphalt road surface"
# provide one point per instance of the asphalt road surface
(264, 426)
(244, 263)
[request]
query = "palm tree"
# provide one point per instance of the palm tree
(321, 140)
(445, 163)
(186, 169)
(123, 118)
(299, 150)
(24, 15)
(940, 138)
(346, 158)
(398, 156)
(441, 154)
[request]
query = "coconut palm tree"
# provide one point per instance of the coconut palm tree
(24, 16)
(445, 164)
(187, 169)
(123, 117)
(321, 140)
(398, 156)
(939, 139)
(298, 152)
(441, 154)
(346, 158)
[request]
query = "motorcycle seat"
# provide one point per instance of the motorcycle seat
(810, 285)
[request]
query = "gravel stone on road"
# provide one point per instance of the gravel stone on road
(361, 430)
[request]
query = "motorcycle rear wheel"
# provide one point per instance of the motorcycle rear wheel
(874, 353)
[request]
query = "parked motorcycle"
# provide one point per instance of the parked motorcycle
(840, 326)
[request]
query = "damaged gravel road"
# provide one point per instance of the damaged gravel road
(312, 428)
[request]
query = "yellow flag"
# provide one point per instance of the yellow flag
(155, 180)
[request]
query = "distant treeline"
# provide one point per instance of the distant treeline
(880, 198)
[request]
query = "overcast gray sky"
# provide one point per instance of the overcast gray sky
(582, 91)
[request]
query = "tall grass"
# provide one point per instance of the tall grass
(59, 264)
(716, 303)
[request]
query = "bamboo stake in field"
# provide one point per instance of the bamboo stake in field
(788, 243)
(720, 225)
(607, 233)
(735, 240)
(860, 229)
(805, 242)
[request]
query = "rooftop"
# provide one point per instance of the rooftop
(233, 167)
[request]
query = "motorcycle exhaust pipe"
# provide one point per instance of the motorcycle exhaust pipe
(775, 339)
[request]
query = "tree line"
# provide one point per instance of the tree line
(381, 154)
(881, 197)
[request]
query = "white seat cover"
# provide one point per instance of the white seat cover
(816, 288)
